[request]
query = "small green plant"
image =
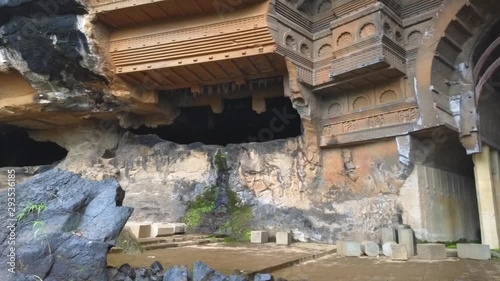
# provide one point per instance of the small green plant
(38, 228)
(31, 209)
(37, 277)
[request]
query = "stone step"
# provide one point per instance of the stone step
(171, 239)
(181, 244)
(115, 250)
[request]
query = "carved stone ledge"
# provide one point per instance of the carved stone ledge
(367, 135)
(370, 121)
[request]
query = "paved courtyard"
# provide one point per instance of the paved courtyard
(251, 258)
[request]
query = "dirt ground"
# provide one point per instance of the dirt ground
(250, 257)
(338, 268)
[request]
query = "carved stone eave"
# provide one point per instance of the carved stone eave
(365, 136)
(118, 13)
(386, 121)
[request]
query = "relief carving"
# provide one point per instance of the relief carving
(376, 121)
(328, 130)
(335, 109)
(398, 37)
(325, 50)
(408, 115)
(290, 42)
(367, 30)
(344, 39)
(415, 38)
(388, 96)
(305, 50)
(349, 126)
(325, 5)
(388, 29)
(360, 102)
(349, 166)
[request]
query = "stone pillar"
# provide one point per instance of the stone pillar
(388, 235)
(486, 171)
(405, 237)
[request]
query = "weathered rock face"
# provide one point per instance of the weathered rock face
(32, 30)
(67, 234)
(285, 190)
(66, 64)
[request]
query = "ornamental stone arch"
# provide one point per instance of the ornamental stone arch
(456, 65)
(443, 78)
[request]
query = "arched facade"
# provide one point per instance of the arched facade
(455, 78)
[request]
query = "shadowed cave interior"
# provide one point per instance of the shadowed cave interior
(17, 149)
(239, 123)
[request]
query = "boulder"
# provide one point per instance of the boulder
(263, 277)
(238, 277)
(78, 223)
(143, 274)
(177, 273)
(112, 272)
(202, 272)
(156, 268)
(127, 270)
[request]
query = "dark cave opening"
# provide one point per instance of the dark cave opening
(17, 149)
(238, 123)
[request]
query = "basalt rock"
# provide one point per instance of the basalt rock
(45, 44)
(200, 272)
(68, 232)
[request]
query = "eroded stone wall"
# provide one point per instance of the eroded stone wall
(348, 193)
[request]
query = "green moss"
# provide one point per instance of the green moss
(220, 160)
(239, 223)
(127, 241)
(238, 217)
(200, 207)
(452, 244)
(193, 216)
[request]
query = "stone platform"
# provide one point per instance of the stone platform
(314, 262)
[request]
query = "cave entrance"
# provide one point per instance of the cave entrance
(238, 123)
(17, 149)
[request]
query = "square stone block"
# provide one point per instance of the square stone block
(431, 252)
(179, 228)
(474, 251)
(340, 247)
(352, 249)
(162, 229)
(140, 230)
(389, 234)
(259, 237)
(405, 237)
(399, 252)
(283, 238)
